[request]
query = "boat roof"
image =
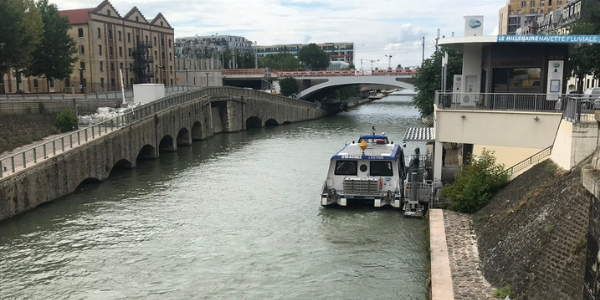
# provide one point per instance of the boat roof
(373, 137)
(373, 152)
(419, 134)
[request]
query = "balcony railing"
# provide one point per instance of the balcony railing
(575, 108)
(499, 101)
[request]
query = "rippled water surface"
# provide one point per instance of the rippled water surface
(236, 216)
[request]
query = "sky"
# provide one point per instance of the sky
(384, 32)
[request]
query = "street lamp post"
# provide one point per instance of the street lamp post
(372, 61)
(206, 79)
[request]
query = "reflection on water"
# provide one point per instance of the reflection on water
(233, 216)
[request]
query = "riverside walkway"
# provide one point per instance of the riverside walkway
(455, 267)
(19, 159)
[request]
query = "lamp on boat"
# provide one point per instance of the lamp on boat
(363, 146)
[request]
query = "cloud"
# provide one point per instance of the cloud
(377, 27)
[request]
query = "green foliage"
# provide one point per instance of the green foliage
(345, 93)
(281, 61)
(428, 80)
(66, 121)
(476, 184)
(313, 57)
(289, 86)
(504, 292)
(232, 58)
(54, 57)
(585, 59)
(351, 66)
(22, 29)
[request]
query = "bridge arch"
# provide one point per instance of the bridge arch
(342, 81)
(253, 122)
(123, 164)
(271, 123)
(147, 152)
(167, 144)
(183, 137)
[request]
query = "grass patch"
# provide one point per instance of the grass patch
(504, 292)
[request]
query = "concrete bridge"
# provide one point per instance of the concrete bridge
(163, 125)
(333, 83)
(318, 84)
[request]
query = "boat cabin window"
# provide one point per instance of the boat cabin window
(345, 167)
(381, 168)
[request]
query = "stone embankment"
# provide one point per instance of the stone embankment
(532, 236)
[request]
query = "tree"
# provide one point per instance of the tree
(22, 29)
(428, 79)
(476, 184)
(313, 57)
(281, 61)
(54, 57)
(585, 59)
(289, 86)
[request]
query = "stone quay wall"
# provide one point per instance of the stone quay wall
(214, 108)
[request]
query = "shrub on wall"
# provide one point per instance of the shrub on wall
(66, 121)
(476, 184)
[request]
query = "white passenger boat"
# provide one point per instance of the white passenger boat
(371, 171)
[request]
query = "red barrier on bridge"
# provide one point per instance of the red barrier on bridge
(276, 73)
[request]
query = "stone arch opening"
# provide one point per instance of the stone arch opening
(167, 144)
(286, 123)
(271, 123)
(183, 137)
(253, 122)
(197, 131)
(122, 164)
(147, 152)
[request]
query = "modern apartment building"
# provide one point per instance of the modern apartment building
(520, 13)
(189, 46)
(108, 43)
(337, 51)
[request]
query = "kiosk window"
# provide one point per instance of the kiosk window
(346, 167)
(381, 168)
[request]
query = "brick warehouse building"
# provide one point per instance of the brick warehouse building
(106, 43)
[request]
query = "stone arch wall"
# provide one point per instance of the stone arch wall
(62, 174)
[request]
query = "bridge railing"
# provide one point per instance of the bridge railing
(20, 160)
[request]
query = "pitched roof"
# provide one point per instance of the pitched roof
(133, 11)
(158, 17)
(77, 16)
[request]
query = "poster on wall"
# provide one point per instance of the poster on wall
(555, 76)
(473, 25)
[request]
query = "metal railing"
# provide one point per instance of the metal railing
(575, 108)
(579, 109)
(98, 96)
(498, 101)
(20, 160)
(532, 160)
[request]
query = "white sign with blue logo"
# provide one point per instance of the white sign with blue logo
(559, 39)
(473, 25)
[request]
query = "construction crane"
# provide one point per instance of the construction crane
(389, 62)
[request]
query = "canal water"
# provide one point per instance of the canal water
(236, 216)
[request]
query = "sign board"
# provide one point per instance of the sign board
(558, 39)
(555, 77)
(473, 25)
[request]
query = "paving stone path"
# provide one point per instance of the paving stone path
(467, 280)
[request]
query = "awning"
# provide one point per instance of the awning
(419, 134)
